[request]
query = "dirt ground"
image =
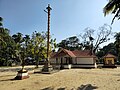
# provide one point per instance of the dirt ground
(68, 79)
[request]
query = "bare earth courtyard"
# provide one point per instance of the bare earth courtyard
(68, 79)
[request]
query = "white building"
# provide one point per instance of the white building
(66, 59)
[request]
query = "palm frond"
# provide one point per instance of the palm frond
(1, 19)
(116, 15)
(1, 24)
(113, 6)
(109, 7)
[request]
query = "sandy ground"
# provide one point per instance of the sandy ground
(68, 79)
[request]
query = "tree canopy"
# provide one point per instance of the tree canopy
(19, 48)
(88, 40)
(70, 43)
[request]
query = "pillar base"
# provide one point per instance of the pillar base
(22, 74)
(47, 69)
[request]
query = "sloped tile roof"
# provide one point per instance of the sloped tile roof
(70, 53)
(63, 52)
(76, 53)
(109, 55)
(83, 53)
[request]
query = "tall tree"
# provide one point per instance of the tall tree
(89, 40)
(6, 45)
(70, 43)
(38, 46)
(18, 47)
(117, 44)
(113, 6)
(110, 48)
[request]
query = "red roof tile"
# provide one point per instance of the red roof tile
(76, 53)
(83, 53)
(70, 53)
(109, 55)
(63, 52)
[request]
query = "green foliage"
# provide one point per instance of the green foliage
(87, 40)
(70, 43)
(6, 46)
(110, 48)
(38, 46)
(18, 48)
(113, 6)
(117, 44)
(113, 48)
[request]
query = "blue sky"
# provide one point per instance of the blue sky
(68, 17)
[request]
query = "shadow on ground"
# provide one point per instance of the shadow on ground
(7, 80)
(50, 88)
(82, 87)
(87, 87)
(13, 79)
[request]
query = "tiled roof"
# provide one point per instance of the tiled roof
(83, 53)
(76, 53)
(109, 55)
(70, 53)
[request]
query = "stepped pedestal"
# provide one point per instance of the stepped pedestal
(22, 74)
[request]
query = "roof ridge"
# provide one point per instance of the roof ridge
(68, 52)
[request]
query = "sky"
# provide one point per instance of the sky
(68, 17)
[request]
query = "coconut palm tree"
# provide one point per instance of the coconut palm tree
(18, 47)
(113, 6)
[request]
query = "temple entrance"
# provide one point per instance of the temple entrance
(68, 60)
(109, 62)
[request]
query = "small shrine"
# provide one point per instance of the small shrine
(109, 61)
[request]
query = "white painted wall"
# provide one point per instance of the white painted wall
(79, 61)
(85, 61)
(86, 66)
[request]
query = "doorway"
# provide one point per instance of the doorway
(109, 62)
